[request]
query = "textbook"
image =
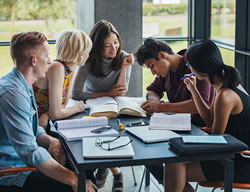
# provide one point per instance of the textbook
(76, 129)
(112, 107)
(171, 121)
(120, 147)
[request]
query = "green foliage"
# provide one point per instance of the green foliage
(159, 9)
(228, 4)
(38, 9)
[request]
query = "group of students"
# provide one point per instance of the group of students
(39, 89)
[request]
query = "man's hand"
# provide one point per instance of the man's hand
(90, 186)
(150, 106)
(56, 150)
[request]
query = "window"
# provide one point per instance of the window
(165, 18)
(49, 17)
(227, 56)
(223, 21)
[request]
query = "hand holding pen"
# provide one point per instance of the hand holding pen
(190, 82)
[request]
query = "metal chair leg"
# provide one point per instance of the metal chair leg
(133, 172)
(144, 172)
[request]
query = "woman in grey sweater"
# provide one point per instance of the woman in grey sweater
(106, 73)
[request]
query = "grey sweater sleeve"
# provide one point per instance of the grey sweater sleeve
(78, 84)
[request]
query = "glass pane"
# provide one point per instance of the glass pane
(165, 18)
(49, 17)
(6, 63)
(227, 56)
(147, 75)
(223, 20)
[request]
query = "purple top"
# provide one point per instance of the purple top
(176, 88)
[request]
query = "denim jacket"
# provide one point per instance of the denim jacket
(18, 127)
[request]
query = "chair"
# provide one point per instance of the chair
(216, 185)
(8, 172)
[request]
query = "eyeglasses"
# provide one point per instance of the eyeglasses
(105, 145)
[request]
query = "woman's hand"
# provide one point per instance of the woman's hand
(117, 90)
(80, 106)
(129, 60)
(190, 83)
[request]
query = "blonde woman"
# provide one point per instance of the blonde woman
(52, 92)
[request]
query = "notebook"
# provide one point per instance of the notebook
(151, 136)
(93, 151)
(210, 139)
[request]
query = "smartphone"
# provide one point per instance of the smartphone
(101, 130)
(141, 123)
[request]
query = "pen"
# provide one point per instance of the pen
(121, 126)
(187, 76)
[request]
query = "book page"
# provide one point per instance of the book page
(177, 121)
(100, 101)
(126, 106)
(109, 110)
(81, 123)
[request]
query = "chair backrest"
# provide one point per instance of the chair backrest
(13, 171)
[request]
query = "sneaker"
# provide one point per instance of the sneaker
(118, 183)
(101, 177)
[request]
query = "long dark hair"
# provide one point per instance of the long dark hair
(205, 57)
(98, 34)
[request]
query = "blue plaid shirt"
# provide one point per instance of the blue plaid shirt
(18, 127)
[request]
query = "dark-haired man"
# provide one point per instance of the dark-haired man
(169, 68)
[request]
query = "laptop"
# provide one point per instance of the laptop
(151, 136)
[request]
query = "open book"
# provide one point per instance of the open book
(112, 107)
(76, 129)
(119, 147)
(171, 121)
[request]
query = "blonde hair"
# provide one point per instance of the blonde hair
(71, 45)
